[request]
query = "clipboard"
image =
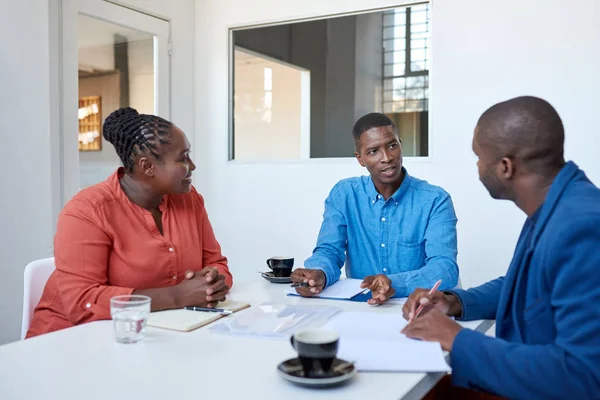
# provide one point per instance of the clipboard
(183, 320)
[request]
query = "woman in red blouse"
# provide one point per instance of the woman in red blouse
(143, 231)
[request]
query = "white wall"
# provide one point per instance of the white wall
(26, 200)
(275, 132)
(29, 155)
(482, 54)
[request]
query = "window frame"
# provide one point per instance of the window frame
(322, 160)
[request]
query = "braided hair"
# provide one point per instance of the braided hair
(134, 134)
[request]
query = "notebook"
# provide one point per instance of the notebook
(344, 289)
(187, 320)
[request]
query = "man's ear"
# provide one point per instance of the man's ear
(507, 168)
(146, 166)
(359, 159)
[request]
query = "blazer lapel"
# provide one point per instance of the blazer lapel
(510, 279)
(524, 250)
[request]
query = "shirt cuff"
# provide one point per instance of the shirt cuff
(100, 308)
(399, 286)
(330, 277)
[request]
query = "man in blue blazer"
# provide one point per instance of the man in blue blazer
(547, 307)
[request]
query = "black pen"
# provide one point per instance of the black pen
(219, 310)
(303, 284)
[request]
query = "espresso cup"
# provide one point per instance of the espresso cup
(281, 266)
(316, 349)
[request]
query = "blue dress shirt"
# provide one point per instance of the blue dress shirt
(410, 237)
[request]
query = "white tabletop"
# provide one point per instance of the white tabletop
(85, 362)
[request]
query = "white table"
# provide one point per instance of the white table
(85, 362)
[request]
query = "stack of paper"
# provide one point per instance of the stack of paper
(373, 342)
(344, 289)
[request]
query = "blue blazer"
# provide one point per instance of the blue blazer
(547, 307)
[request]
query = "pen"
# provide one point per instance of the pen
(219, 310)
(433, 289)
(303, 284)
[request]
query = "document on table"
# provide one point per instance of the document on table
(373, 342)
(344, 289)
(276, 321)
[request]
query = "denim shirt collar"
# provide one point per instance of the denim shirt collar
(374, 195)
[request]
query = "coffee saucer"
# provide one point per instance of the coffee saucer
(276, 279)
(291, 370)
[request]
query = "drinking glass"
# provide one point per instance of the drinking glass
(129, 314)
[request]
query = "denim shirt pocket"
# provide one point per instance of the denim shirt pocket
(411, 256)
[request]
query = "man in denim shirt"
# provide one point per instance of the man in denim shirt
(394, 231)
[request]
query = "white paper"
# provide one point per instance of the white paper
(344, 289)
(373, 325)
(393, 356)
(372, 340)
(275, 321)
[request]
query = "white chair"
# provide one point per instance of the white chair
(36, 275)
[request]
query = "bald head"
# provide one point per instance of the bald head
(526, 129)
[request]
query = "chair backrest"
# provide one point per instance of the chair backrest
(35, 277)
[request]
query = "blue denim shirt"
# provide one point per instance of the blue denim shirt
(410, 237)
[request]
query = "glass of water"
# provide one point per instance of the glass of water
(129, 314)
